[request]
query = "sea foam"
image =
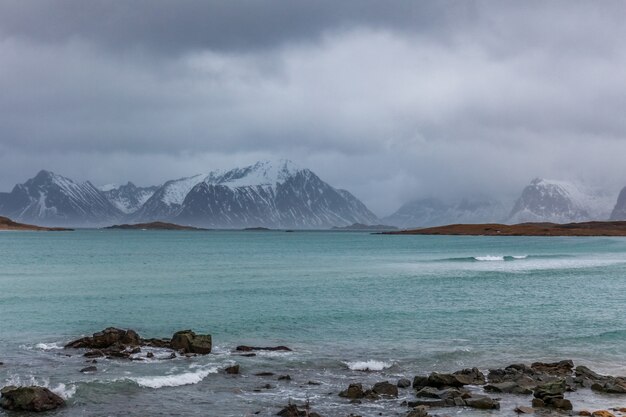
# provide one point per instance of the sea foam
(177, 380)
(370, 365)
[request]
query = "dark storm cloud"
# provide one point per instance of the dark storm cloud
(391, 100)
(183, 25)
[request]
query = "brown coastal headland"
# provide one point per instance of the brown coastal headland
(598, 228)
(153, 226)
(8, 224)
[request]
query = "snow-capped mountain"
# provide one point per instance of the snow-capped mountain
(560, 202)
(619, 211)
(429, 212)
(128, 198)
(270, 194)
(51, 199)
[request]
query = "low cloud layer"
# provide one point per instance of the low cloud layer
(391, 102)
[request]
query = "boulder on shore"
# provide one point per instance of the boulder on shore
(187, 341)
(29, 399)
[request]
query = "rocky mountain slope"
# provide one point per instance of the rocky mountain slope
(128, 198)
(53, 200)
(619, 211)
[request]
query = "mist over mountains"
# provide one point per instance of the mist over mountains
(279, 194)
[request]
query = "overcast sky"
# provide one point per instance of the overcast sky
(390, 100)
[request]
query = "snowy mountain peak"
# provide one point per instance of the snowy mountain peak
(263, 173)
(545, 200)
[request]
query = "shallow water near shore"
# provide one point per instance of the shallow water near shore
(343, 301)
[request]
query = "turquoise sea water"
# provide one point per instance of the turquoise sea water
(402, 305)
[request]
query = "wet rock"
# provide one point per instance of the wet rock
(420, 382)
(354, 392)
(457, 379)
(385, 389)
(482, 403)
(584, 413)
(94, 354)
(520, 409)
(29, 399)
(314, 383)
(562, 368)
(470, 376)
(149, 355)
(187, 341)
(292, 410)
(448, 393)
(89, 369)
(248, 355)
(264, 374)
(107, 338)
(244, 348)
(284, 378)
(419, 411)
(602, 413)
(427, 402)
(551, 395)
(232, 370)
(404, 383)
(508, 387)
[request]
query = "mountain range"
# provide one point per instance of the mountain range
(278, 194)
(267, 194)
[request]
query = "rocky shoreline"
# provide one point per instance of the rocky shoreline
(541, 387)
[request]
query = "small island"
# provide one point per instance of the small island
(152, 226)
(597, 228)
(8, 224)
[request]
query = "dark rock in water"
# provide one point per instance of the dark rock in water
(89, 369)
(94, 354)
(248, 355)
(457, 379)
(149, 355)
(404, 383)
(243, 348)
(551, 394)
(107, 338)
(314, 383)
(444, 394)
(562, 368)
(29, 399)
(420, 382)
(232, 370)
(292, 410)
(470, 376)
(508, 387)
(482, 403)
(385, 389)
(520, 409)
(354, 392)
(427, 403)
(550, 389)
(264, 374)
(187, 341)
(419, 411)
(158, 343)
(284, 378)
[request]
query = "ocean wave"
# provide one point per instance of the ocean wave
(491, 258)
(63, 390)
(368, 366)
(48, 346)
(175, 380)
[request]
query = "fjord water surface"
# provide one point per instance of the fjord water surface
(398, 305)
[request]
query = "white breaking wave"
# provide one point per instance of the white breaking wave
(370, 365)
(489, 258)
(519, 256)
(186, 378)
(64, 391)
(48, 346)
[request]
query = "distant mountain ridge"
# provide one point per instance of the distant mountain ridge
(53, 200)
(429, 212)
(267, 194)
(560, 202)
